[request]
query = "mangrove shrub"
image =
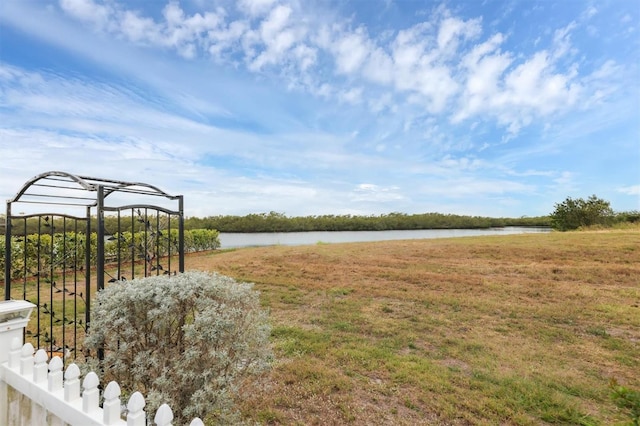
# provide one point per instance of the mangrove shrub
(573, 214)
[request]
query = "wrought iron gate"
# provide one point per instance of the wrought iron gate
(89, 236)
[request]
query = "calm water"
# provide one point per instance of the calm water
(233, 240)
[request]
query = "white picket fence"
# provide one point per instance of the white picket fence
(35, 391)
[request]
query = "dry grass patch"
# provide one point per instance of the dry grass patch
(524, 329)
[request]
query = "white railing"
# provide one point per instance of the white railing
(35, 391)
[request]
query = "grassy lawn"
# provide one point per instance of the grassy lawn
(524, 329)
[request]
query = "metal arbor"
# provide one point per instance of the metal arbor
(90, 226)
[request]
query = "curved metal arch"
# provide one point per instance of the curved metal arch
(84, 184)
(125, 186)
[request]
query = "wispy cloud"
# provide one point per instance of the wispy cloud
(630, 190)
(422, 63)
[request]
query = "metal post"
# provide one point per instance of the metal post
(181, 232)
(100, 250)
(133, 245)
(87, 270)
(7, 253)
(100, 242)
(119, 235)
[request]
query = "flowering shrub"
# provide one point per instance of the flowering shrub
(188, 340)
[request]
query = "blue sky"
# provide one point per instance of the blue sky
(493, 108)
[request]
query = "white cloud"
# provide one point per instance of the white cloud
(277, 38)
(590, 12)
(351, 96)
(255, 8)
(630, 190)
(325, 90)
(562, 41)
(277, 20)
(305, 55)
(485, 66)
(418, 71)
(434, 65)
(139, 29)
(565, 181)
(603, 84)
(368, 192)
(185, 33)
(473, 187)
(516, 94)
(88, 11)
(462, 163)
(379, 67)
(381, 103)
(536, 89)
(351, 50)
(226, 39)
(453, 29)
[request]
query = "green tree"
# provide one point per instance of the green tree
(572, 214)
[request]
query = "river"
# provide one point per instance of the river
(236, 240)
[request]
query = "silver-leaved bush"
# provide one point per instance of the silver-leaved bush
(191, 340)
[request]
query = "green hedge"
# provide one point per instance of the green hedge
(67, 251)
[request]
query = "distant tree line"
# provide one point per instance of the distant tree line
(278, 222)
(563, 218)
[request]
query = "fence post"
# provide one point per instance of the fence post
(164, 416)
(72, 383)
(111, 405)
(14, 354)
(40, 368)
(26, 359)
(135, 407)
(14, 316)
(55, 374)
(90, 392)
